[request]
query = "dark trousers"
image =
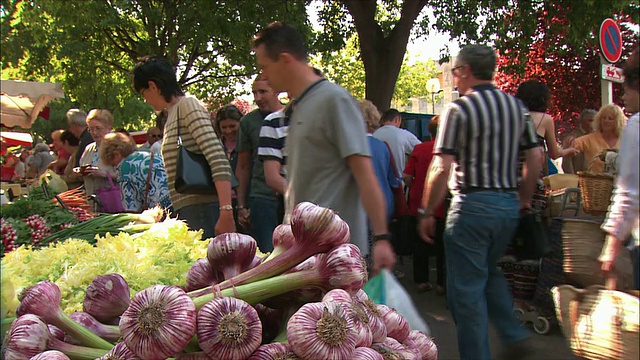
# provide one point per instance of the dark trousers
(422, 252)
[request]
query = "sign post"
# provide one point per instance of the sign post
(610, 40)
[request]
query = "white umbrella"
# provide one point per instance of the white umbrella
(22, 101)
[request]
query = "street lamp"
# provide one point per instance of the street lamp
(433, 87)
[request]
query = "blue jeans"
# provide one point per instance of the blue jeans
(264, 219)
(479, 227)
(201, 216)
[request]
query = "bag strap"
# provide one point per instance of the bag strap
(393, 161)
(178, 125)
(146, 189)
(110, 179)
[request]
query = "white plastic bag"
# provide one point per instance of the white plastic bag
(385, 289)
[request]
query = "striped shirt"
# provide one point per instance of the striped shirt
(272, 137)
(198, 135)
(485, 130)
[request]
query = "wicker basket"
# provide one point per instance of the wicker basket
(596, 192)
(599, 324)
(582, 242)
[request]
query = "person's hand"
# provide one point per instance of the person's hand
(571, 151)
(609, 253)
(244, 218)
(525, 206)
(96, 172)
(225, 223)
(427, 228)
(383, 256)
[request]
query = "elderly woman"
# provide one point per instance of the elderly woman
(607, 125)
(139, 190)
(100, 123)
(39, 162)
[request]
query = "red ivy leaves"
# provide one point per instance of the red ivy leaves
(574, 79)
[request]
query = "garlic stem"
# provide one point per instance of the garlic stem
(43, 299)
(76, 352)
(320, 231)
(340, 268)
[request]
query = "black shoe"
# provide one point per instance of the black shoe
(520, 350)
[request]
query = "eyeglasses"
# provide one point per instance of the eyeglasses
(96, 129)
(159, 136)
(453, 69)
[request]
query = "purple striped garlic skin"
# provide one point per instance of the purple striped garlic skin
(228, 329)
(160, 322)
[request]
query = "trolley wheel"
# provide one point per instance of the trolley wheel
(519, 314)
(541, 325)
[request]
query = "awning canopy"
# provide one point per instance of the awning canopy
(10, 138)
(22, 101)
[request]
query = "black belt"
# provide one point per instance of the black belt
(470, 190)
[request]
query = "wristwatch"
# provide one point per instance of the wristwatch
(422, 214)
(226, 207)
(387, 236)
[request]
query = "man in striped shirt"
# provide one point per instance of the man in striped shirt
(481, 135)
(272, 152)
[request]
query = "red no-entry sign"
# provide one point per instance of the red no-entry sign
(610, 41)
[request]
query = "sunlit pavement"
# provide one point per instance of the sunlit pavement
(551, 346)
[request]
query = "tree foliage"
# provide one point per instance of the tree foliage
(384, 27)
(91, 46)
(345, 67)
(573, 75)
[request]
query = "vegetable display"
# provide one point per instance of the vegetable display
(315, 281)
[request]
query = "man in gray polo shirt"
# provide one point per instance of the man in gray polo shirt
(329, 161)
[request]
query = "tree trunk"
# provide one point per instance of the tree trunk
(382, 55)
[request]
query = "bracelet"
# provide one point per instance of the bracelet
(240, 207)
(387, 236)
(422, 214)
(225, 207)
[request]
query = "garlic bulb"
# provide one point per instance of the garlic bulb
(376, 323)
(361, 324)
(50, 355)
(337, 295)
(228, 329)
(106, 297)
(331, 231)
(43, 299)
(110, 333)
(322, 331)
(282, 240)
(160, 322)
(425, 345)
(200, 355)
(120, 352)
(318, 225)
(56, 332)
(412, 347)
(275, 351)
(202, 275)
(271, 320)
(364, 353)
(231, 253)
(27, 337)
(397, 325)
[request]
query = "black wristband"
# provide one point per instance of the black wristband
(386, 236)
